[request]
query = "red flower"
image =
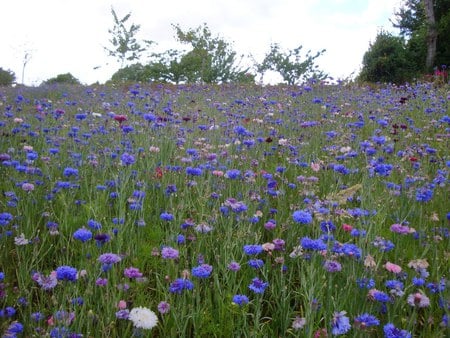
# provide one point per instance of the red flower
(120, 118)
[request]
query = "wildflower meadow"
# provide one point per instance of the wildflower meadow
(225, 211)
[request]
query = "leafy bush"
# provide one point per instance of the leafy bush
(387, 60)
(7, 77)
(66, 78)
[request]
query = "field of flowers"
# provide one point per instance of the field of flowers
(225, 211)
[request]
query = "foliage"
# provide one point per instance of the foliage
(125, 46)
(411, 21)
(289, 64)
(7, 77)
(211, 59)
(387, 60)
(66, 78)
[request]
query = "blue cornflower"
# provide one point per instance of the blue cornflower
(302, 216)
(194, 171)
(253, 249)
(367, 283)
(390, 331)
(313, 244)
(436, 287)
(37, 316)
(418, 281)
(94, 225)
(13, 330)
(340, 323)
(349, 249)
(233, 174)
(394, 284)
(424, 195)
(366, 320)
(66, 272)
(70, 172)
(5, 218)
(82, 234)
(327, 226)
(257, 285)
(127, 159)
(381, 296)
(202, 271)
(255, 263)
(180, 284)
(240, 300)
(171, 189)
(165, 216)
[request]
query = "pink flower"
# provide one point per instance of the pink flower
(418, 299)
(391, 267)
(347, 227)
(27, 187)
(121, 305)
(315, 166)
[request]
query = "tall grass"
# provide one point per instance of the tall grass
(206, 171)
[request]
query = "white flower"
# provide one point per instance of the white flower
(21, 240)
(143, 318)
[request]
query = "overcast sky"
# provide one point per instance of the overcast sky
(62, 36)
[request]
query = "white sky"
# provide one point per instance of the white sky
(70, 35)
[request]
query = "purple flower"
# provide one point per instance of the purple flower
(46, 282)
(302, 216)
(101, 281)
(258, 286)
(132, 273)
(202, 271)
(234, 266)
(340, 323)
(390, 331)
(163, 307)
(169, 253)
(122, 314)
(400, 229)
(66, 272)
(240, 300)
(109, 258)
(332, 266)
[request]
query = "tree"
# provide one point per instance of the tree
(426, 26)
(66, 78)
(7, 77)
(211, 59)
(431, 33)
(125, 47)
(386, 60)
(289, 64)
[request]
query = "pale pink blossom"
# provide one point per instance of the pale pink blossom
(391, 267)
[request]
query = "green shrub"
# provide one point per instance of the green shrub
(7, 77)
